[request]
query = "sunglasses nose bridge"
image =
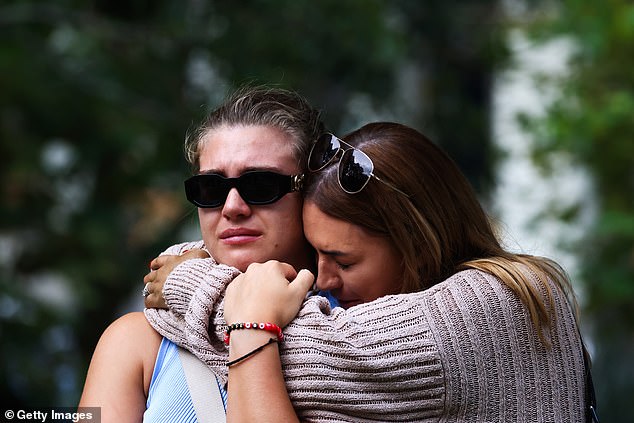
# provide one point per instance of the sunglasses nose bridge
(235, 184)
(234, 202)
(224, 189)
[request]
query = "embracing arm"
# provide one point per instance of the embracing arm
(256, 390)
(374, 366)
(120, 370)
(193, 291)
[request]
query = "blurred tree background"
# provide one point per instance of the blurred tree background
(592, 124)
(96, 97)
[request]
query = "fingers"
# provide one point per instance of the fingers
(195, 253)
(272, 292)
(303, 282)
(272, 267)
(171, 259)
(160, 268)
(160, 261)
(154, 299)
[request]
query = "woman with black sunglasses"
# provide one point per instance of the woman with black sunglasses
(458, 329)
(249, 158)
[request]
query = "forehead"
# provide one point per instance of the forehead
(327, 233)
(232, 150)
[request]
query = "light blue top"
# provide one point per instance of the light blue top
(169, 399)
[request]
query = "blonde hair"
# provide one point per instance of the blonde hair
(266, 106)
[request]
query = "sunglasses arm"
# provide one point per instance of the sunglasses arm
(297, 182)
(389, 185)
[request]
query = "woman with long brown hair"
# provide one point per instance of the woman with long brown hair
(437, 321)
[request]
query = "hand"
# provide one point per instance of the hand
(160, 268)
(272, 292)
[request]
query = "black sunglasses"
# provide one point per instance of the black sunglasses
(210, 190)
(355, 167)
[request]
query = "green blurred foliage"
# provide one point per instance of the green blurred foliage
(95, 100)
(593, 123)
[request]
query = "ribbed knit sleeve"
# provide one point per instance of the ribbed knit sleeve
(374, 362)
(184, 279)
(462, 351)
(497, 369)
(193, 291)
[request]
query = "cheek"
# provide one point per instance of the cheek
(289, 214)
(207, 219)
(381, 278)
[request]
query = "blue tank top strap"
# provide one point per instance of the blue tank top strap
(168, 397)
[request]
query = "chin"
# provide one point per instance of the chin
(242, 260)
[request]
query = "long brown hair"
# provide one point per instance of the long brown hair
(439, 227)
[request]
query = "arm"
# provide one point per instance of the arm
(194, 291)
(256, 390)
(358, 356)
(357, 363)
(121, 368)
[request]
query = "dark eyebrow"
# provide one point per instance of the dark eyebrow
(246, 169)
(333, 253)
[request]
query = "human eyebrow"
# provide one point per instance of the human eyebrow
(262, 169)
(243, 171)
(333, 253)
(210, 171)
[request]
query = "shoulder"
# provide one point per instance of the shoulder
(131, 331)
(129, 324)
(131, 342)
(487, 339)
(121, 368)
(471, 291)
(469, 280)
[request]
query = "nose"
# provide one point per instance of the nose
(235, 206)
(327, 279)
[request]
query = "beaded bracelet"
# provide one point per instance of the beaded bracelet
(269, 327)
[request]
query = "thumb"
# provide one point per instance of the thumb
(303, 282)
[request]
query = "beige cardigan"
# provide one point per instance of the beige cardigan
(464, 350)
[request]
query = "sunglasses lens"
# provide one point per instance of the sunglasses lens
(262, 187)
(355, 170)
(207, 190)
(323, 151)
(257, 188)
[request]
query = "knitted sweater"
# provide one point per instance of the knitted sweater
(464, 350)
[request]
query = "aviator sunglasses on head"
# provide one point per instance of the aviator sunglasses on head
(210, 190)
(355, 167)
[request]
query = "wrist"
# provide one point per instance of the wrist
(243, 341)
(271, 328)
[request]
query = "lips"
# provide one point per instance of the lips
(239, 235)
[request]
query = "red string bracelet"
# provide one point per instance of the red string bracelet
(269, 327)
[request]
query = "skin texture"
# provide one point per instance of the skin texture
(119, 375)
(356, 265)
(262, 387)
(121, 368)
(260, 233)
